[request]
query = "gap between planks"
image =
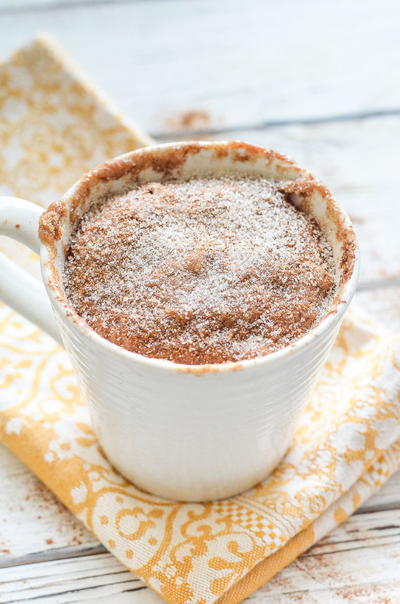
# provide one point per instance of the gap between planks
(332, 566)
(283, 123)
(11, 7)
(168, 59)
(377, 522)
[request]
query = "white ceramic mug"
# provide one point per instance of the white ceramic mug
(183, 432)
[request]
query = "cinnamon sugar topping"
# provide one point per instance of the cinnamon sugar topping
(202, 271)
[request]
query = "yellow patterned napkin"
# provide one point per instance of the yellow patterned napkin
(346, 446)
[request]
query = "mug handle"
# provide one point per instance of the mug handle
(19, 220)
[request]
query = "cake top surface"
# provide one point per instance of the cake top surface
(201, 271)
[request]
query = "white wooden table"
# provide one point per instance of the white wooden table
(319, 81)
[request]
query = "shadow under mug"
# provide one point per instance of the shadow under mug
(184, 432)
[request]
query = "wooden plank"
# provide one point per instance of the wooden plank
(360, 531)
(177, 64)
(18, 6)
(35, 526)
(330, 570)
(387, 498)
(32, 520)
(35, 5)
(39, 527)
(74, 580)
(358, 562)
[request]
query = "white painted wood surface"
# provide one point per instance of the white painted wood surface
(230, 69)
(240, 62)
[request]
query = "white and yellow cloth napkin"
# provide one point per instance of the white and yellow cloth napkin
(53, 128)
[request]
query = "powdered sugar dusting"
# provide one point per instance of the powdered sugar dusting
(202, 271)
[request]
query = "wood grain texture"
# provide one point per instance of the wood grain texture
(330, 571)
(32, 520)
(238, 63)
(35, 526)
(99, 577)
(230, 69)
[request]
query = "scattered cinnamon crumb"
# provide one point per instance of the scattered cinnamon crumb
(369, 592)
(196, 119)
(49, 541)
(41, 505)
(357, 219)
(5, 551)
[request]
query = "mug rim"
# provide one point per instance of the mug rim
(53, 283)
